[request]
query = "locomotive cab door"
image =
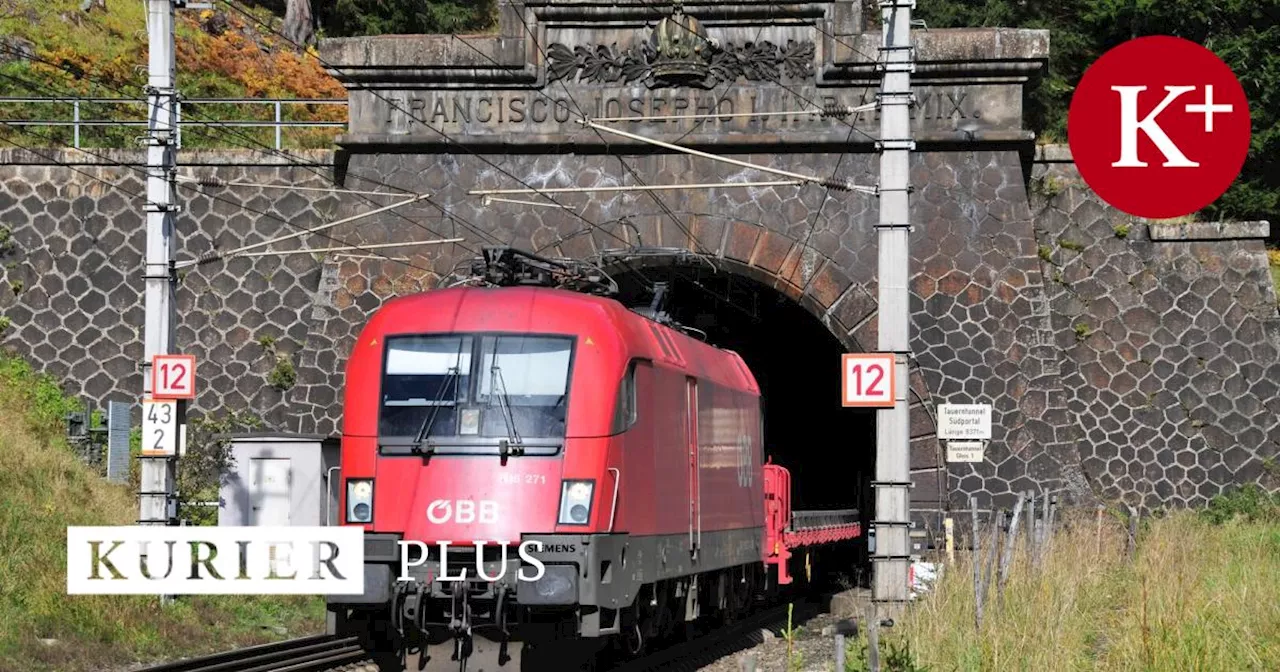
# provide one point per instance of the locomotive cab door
(695, 490)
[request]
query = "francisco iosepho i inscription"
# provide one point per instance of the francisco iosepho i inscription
(677, 67)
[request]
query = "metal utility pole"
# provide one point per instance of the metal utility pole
(158, 473)
(893, 480)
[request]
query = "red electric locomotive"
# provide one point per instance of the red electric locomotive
(539, 470)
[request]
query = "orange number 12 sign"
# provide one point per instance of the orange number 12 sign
(868, 380)
(173, 377)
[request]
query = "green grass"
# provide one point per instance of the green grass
(44, 489)
(1200, 594)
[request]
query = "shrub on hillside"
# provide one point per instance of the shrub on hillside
(1250, 502)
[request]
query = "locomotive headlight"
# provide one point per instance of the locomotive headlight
(575, 502)
(360, 500)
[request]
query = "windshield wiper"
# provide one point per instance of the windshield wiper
(512, 444)
(420, 439)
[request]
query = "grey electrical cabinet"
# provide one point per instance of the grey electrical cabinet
(280, 479)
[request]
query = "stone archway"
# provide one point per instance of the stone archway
(848, 315)
(747, 255)
(451, 115)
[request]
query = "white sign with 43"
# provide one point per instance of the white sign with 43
(159, 427)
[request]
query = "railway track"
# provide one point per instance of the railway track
(703, 650)
(320, 653)
(326, 653)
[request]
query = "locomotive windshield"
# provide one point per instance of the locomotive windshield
(464, 393)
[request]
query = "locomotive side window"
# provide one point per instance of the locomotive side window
(424, 372)
(625, 409)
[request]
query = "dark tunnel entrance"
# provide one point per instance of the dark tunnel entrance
(829, 449)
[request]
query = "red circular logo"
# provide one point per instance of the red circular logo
(1159, 127)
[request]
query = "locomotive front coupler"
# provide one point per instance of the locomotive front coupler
(409, 607)
(460, 624)
(500, 612)
(398, 606)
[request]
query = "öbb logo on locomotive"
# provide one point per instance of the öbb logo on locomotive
(462, 511)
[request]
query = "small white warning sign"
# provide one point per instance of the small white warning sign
(964, 421)
(964, 451)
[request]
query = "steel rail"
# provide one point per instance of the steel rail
(304, 654)
(727, 640)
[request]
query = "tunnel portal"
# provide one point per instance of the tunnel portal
(829, 449)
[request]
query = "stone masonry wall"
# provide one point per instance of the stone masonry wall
(975, 254)
(1170, 346)
(71, 275)
(1165, 395)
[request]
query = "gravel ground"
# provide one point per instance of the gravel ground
(811, 650)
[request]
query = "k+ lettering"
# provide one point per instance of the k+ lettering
(1130, 125)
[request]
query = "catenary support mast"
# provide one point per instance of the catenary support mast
(158, 473)
(892, 482)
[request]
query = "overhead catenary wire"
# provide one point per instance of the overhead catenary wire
(625, 165)
(693, 240)
(239, 251)
(488, 200)
(839, 185)
(213, 181)
(393, 105)
(817, 214)
(366, 256)
(349, 248)
(841, 118)
(449, 214)
(263, 148)
(637, 187)
(109, 161)
(830, 111)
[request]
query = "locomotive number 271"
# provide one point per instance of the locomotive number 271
(527, 479)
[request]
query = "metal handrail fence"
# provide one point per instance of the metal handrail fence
(76, 122)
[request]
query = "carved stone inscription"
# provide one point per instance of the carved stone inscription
(609, 64)
(558, 110)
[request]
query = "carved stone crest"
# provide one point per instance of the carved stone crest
(679, 53)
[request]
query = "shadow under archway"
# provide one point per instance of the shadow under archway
(829, 449)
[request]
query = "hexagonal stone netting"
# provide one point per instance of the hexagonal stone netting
(1116, 366)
